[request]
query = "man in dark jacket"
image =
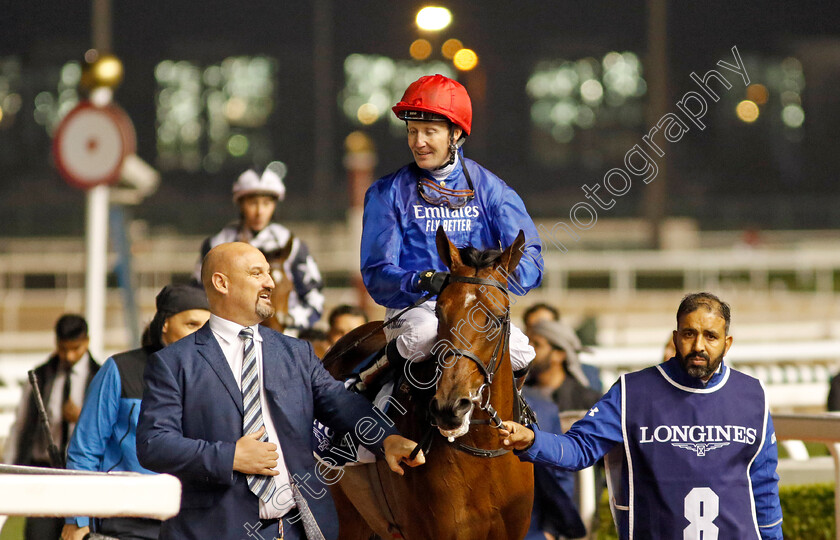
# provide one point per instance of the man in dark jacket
(62, 381)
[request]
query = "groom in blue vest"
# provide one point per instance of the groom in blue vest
(689, 443)
(229, 411)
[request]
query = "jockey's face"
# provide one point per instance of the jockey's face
(429, 142)
(256, 211)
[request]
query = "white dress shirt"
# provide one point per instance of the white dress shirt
(233, 347)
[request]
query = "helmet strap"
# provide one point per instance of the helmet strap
(453, 148)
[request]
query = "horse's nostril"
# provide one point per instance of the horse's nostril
(461, 407)
(434, 407)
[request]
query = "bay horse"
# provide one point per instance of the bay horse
(470, 488)
(283, 286)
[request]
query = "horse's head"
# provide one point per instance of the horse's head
(283, 286)
(473, 313)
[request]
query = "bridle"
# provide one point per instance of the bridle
(487, 370)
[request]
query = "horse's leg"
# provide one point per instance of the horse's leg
(351, 525)
(355, 487)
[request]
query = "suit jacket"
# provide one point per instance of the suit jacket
(191, 418)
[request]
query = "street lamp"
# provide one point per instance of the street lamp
(433, 18)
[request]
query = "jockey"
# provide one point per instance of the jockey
(399, 259)
(257, 196)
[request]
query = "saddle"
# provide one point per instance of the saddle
(368, 379)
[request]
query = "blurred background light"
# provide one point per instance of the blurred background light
(368, 113)
(450, 47)
(747, 111)
(585, 94)
(757, 93)
(420, 49)
(465, 59)
(793, 116)
(374, 83)
(433, 18)
(591, 91)
(238, 145)
(197, 108)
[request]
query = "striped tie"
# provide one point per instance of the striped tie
(262, 486)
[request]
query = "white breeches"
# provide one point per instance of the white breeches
(416, 335)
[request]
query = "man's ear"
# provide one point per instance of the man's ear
(728, 343)
(219, 282)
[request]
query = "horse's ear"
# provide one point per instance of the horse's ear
(510, 257)
(447, 251)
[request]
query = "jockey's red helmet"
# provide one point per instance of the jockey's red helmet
(435, 97)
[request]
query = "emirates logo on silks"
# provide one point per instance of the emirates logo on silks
(700, 448)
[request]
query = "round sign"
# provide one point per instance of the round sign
(90, 144)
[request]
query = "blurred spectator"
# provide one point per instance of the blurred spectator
(105, 438)
(319, 340)
(556, 370)
(539, 312)
(546, 312)
(343, 319)
(256, 198)
(62, 380)
(557, 375)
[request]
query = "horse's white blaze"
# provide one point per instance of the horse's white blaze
(469, 299)
(277, 275)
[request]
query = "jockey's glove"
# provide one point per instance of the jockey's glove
(432, 281)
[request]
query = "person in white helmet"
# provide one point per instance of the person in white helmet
(257, 196)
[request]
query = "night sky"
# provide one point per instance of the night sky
(726, 176)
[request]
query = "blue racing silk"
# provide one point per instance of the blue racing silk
(399, 226)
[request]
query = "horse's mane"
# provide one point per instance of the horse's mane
(479, 259)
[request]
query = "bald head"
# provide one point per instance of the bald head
(237, 282)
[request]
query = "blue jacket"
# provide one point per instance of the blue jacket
(599, 431)
(105, 437)
(191, 418)
(399, 226)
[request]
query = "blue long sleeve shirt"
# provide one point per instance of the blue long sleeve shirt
(105, 437)
(601, 429)
(399, 226)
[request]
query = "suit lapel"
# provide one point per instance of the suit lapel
(209, 348)
(279, 390)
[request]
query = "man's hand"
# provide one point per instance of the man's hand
(253, 456)
(398, 449)
(431, 281)
(72, 532)
(70, 411)
(516, 435)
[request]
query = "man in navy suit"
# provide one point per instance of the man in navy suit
(191, 418)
